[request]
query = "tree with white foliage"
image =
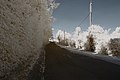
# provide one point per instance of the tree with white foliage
(116, 33)
(114, 46)
(52, 5)
(63, 37)
(76, 37)
(114, 42)
(95, 39)
(90, 44)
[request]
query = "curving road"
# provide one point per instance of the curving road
(62, 64)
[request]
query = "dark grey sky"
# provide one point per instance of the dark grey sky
(71, 12)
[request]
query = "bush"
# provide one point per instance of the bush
(90, 44)
(114, 46)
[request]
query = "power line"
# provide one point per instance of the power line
(89, 15)
(84, 19)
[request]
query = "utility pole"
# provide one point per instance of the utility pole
(52, 38)
(64, 37)
(90, 13)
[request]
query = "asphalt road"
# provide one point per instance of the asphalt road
(62, 64)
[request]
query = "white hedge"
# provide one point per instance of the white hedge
(25, 27)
